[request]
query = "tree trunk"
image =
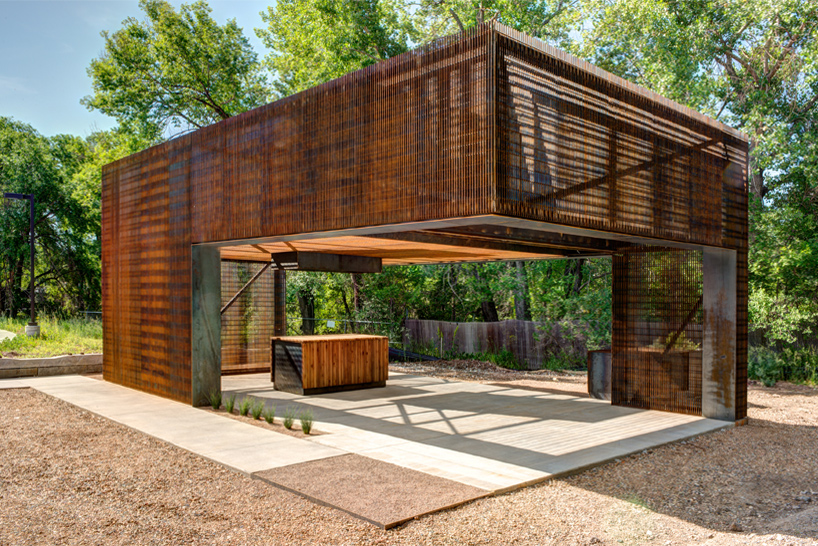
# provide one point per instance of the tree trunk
(489, 311)
(306, 303)
(521, 308)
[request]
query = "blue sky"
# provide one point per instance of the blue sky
(46, 46)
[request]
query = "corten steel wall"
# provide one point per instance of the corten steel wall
(146, 263)
(247, 325)
(579, 147)
(657, 329)
(486, 122)
(403, 140)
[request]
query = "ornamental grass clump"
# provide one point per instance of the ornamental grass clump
(258, 407)
(230, 403)
(215, 399)
(244, 406)
(306, 421)
(269, 415)
(289, 417)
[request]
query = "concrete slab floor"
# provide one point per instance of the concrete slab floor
(493, 437)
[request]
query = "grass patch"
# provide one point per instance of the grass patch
(289, 417)
(230, 403)
(57, 337)
(306, 421)
(257, 409)
(269, 415)
(244, 406)
(215, 399)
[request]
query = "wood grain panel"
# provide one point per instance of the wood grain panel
(331, 362)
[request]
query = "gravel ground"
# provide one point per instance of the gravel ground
(70, 477)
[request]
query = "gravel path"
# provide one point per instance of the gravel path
(70, 477)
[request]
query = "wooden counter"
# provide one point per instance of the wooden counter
(318, 364)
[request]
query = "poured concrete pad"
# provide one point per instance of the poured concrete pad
(492, 437)
(381, 493)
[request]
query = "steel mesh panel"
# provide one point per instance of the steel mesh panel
(576, 148)
(657, 330)
(485, 122)
(146, 272)
(404, 140)
(247, 325)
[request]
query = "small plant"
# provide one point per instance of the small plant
(269, 415)
(289, 417)
(257, 408)
(230, 403)
(306, 421)
(244, 406)
(215, 399)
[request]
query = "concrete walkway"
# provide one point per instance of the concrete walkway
(240, 446)
(491, 437)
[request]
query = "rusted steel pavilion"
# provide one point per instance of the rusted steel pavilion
(488, 145)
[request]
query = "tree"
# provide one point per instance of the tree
(550, 21)
(175, 70)
(67, 267)
(314, 41)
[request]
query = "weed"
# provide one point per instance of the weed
(289, 417)
(58, 337)
(244, 406)
(258, 407)
(215, 399)
(230, 403)
(306, 421)
(269, 414)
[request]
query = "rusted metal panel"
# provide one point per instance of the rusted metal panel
(489, 123)
(657, 329)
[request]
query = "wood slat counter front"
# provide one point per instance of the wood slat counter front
(328, 363)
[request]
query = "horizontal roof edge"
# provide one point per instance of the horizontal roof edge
(585, 66)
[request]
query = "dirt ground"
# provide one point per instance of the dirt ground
(70, 477)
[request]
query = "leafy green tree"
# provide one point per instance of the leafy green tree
(67, 267)
(551, 21)
(175, 70)
(314, 41)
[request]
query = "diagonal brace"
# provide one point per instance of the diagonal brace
(245, 287)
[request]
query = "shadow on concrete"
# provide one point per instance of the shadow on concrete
(546, 432)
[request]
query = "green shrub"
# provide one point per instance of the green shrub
(258, 407)
(269, 415)
(799, 365)
(306, 421)
(289, 417)
(244, 406)
(215, 399)
(230, 403)
(764, 365)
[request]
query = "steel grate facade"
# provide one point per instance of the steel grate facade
(247, 325)
(488, 123)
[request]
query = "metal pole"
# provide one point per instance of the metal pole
(33, 321)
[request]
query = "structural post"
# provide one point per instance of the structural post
(206, 327)
(280, 302)
(719, 336)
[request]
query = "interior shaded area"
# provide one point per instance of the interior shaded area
(486, 145)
